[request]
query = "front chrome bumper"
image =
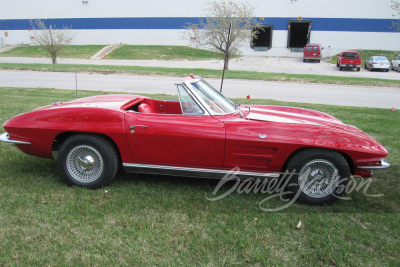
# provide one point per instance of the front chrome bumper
(4, 138)
(384, 164)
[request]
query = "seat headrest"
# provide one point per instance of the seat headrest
(145, 108)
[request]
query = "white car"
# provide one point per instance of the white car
(377, 62)
(395, 65)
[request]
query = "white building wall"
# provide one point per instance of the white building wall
(332, 41)
(22, 9)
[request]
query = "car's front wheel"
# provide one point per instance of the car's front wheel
(320, 176)
(87, 161)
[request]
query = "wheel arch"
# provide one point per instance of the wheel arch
(348, 159)
(62, 137)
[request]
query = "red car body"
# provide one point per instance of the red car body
(259, 140)
(349, 59)
(312, 52)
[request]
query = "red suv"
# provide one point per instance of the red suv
(312, 52)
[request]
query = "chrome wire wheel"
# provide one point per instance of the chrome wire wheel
(84, 163)
(318, 178)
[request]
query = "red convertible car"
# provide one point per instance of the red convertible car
(203, 134)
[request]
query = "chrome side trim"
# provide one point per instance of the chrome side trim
(192, 172)
(384, 164)
(4, 138)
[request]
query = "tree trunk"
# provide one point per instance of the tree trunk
(226, 63)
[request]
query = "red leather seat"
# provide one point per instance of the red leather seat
(144, 108)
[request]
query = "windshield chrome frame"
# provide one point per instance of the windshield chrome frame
(200, 101)
(190, 92)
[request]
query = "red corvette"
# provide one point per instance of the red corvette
(203, 134)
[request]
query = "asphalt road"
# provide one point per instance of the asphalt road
(306, 93)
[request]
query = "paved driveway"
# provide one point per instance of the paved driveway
(307, 93)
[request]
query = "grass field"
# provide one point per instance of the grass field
(69, 51)
(206, 73)
(162, 52)
(161, 220)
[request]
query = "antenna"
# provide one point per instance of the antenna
(226, 55)
(76, 86)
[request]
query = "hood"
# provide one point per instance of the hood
(292, 115)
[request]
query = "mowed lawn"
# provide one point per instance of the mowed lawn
(160, 52)
(162, 220)
(163, 52)
(68, 51)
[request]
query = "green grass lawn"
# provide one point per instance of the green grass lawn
(365, 54)
(69, 51)
(162, 52)
(206, 73)
(159, 220)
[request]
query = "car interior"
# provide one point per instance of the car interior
(157, 106)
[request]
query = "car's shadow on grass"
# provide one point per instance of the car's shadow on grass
(248, 198)
(30, 173)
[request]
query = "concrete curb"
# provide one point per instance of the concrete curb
(104, 51)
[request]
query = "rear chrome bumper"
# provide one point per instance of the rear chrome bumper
(4, 138)
(383, 165)
(376, 66)
(350, 66)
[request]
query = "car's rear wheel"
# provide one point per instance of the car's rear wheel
(398, 68)
(319, 176)
(358, 69)
(340, 68)
(87, 161)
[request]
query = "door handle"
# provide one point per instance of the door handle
(132, 127)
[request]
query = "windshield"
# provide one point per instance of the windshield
(212, 99)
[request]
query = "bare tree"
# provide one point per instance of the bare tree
(50, 38)
(396, 7)
(212, 31)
